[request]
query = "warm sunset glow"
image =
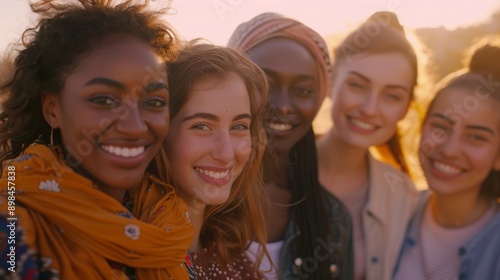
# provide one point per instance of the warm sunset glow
(216, 19)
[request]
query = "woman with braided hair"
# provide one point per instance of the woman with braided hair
(309, 233)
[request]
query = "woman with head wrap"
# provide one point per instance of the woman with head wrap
(308, 232)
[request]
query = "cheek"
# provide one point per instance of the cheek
(175, 149)
(242, 149)
(308, 108)
(159, 124)
(427, 143)
(344, 100)
(393, 113)
(484, 157)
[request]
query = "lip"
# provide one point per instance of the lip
(362, 126)
(444, 170)
(280, 127)
(130, 156)
(214, 175)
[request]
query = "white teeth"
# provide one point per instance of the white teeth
(212, 174)
(124, 151)
(280, 126)
(446, 168)
(363, 125)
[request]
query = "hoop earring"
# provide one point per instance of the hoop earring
(51, 137)
(56, 148)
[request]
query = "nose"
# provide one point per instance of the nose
(130, 121)
(450, 146)
(280, 101)
(369, 107)
(223, 150)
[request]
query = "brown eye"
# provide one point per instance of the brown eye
(155, 102)
(105, 100)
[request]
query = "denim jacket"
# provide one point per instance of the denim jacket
(479, 257)
(338, 246)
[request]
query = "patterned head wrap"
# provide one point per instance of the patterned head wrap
(270, 25)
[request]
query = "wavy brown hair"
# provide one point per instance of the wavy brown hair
(51, 50)
(228, 228)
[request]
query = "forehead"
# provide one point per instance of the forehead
(283, 55)
(117, 55)
(468, 106)
(227, 94)
(386, 68)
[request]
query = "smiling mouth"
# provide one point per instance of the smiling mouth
(212, 174)
(125, 152)
(445, 168)
(362, 124)
(280, 126)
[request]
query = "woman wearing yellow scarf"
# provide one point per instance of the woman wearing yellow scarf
(82, 123)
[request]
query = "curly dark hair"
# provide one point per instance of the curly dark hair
(63, 35)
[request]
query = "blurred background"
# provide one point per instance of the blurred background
(441, 31)
(445, 27)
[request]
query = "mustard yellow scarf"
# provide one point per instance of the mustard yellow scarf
(75, 229)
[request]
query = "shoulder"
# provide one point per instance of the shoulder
(489, 234)
(385, 176)
(206, 266)
(18, 241)
(481, 257)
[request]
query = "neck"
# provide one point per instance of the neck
(354, 159)
(276, 169)
(196, 215)
(456, 211)
(119, 195)
(347, 175)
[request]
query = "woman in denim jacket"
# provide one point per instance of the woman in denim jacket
(455, 234)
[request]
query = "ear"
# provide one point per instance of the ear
(496, 164)
(50, 105)
(411, 105)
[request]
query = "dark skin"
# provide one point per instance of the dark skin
(294, 101)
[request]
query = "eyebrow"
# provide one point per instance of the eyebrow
(106, 82)
(443, 117)
(299, 76)
(115, 84)
(368, 80)
(214, 117)
(452, 122)
(156, 85)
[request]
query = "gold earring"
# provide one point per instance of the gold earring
(51, 137)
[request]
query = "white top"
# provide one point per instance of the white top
(270, 271)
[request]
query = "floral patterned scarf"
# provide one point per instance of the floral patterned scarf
(74, 231)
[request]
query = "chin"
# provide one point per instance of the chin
(219, 200)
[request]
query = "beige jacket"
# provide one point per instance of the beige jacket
(392, 201)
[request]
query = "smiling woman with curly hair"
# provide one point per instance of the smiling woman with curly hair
(84, 118)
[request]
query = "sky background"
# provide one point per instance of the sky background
(215, 20)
